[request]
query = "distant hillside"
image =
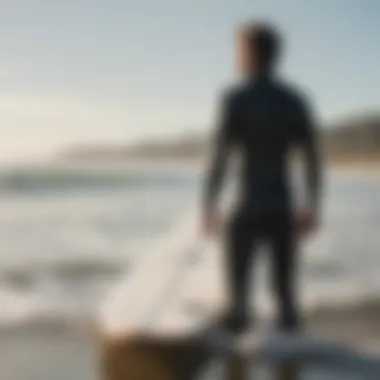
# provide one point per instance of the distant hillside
(355, 138)
(185, 148)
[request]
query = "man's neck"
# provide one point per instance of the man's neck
(261, 76)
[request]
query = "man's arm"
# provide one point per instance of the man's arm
(222, 145)
(309, 146)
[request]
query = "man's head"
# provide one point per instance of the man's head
(258, 48)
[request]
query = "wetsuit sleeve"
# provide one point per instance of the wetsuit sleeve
(308, 142)
(221, 148)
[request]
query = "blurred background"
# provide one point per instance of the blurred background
(106, 109)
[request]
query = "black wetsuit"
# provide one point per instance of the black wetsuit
(264, 119)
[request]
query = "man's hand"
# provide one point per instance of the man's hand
(306, 222)
(211, 223)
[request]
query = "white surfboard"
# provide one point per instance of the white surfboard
(174, 291)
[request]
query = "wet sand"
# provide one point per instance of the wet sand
(39, 354)
(42, 353)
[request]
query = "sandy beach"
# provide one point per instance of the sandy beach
(41, 353)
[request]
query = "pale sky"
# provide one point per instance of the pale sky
(122, 70)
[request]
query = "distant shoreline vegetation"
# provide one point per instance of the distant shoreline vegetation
(356, 139)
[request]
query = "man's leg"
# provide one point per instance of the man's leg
(239, 251)
(285, 265)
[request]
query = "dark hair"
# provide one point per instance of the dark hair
(264, 42)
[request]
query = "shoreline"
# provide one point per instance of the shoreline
(344, 166)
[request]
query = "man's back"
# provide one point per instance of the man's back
(263, 119)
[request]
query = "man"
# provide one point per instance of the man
(263, 119)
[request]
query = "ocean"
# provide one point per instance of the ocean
(67, 234)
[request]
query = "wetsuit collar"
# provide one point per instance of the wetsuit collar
(263, 76)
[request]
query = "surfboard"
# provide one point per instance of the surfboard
(174, 291)
(150, 322)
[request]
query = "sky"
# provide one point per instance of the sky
(121, 71)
